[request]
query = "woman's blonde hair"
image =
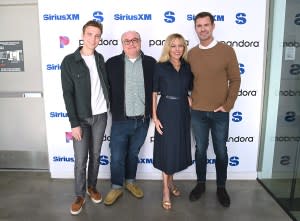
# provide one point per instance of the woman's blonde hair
(165, 55)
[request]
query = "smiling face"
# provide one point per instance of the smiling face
(131, 43)
(204, 29)
(176, 49)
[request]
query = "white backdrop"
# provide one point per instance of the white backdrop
(240, 24)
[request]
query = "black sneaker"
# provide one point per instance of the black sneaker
(223, 196)
(197, 192)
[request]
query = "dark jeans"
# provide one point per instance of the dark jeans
(218, 124)
(126, 140)
(89, 147)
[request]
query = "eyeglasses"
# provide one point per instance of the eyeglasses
(133, 41)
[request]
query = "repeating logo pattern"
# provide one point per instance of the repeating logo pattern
(62, 26)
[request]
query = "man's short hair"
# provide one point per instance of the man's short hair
(94, 24)
(205, 14)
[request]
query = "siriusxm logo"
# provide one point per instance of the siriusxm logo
(103, 160)
(240, 139)
(290, 116)
(287, 139)
(53, 67)
(289, 93)
(237, 116)
(242, 68)
(242, 43)
(98, 16)
(139, 17)
(240, 18)
(52, 17)
(247, 93)
(191, 17)
(63, 41)
(145, 160)
(295, 69)
(233, 161)
(160, 42)
(169, 17)
(63, 159)
(58, 114)
(103, 42)
(291, 44)
(297, 19)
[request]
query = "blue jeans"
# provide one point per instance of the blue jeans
(218, 124)
(89, 147)
(126, 140)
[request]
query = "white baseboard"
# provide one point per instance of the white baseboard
(157, 176)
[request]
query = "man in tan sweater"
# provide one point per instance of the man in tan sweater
(215, 89)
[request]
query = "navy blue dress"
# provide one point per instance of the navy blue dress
(172, 150)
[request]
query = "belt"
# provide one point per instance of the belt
(171, 97)
(139, 117)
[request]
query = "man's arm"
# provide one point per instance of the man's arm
(234, 81)
(68, 93)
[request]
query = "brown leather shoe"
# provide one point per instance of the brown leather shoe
(94, 195)
(77, 205)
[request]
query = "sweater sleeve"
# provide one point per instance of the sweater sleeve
(234, 80)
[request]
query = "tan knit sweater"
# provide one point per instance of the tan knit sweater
(216, 77)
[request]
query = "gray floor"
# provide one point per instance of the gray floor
(35, 196)
(287, 191)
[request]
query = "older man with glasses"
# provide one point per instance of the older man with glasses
(130, 78)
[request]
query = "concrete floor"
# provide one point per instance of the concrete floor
(34, 196)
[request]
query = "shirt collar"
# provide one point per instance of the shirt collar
(212, 44)
(139, 56)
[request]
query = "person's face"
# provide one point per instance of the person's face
(176, 49)
(204, 29)
(91, 37)
(131, 44)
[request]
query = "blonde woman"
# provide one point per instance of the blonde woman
(171, 115)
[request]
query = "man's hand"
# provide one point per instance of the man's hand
(220, 109)
(77, 133)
